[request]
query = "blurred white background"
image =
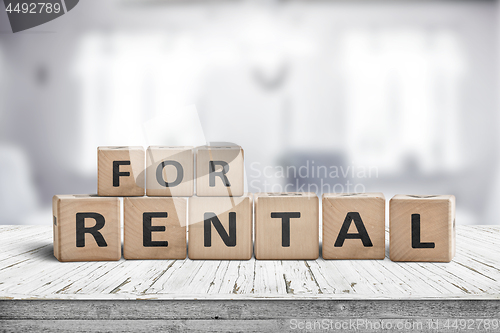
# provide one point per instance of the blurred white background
(407, 89)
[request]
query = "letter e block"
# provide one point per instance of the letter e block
(286, 226)
(155, 228)
(422, 228)
(353, 226)
(220, 228)
(86, 228)
(219, 171)
(121, 171)
(170, 171)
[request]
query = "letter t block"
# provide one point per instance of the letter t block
(121, 171)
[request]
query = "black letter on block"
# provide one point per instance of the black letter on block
(117, 173)
(362, 233)
(148, 229)
(228, 239)
(159, 173)
(221, 174)
(285, 225)
(94, 231)
(415, 234)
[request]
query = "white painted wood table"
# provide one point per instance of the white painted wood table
(38, 292)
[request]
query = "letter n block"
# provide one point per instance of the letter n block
(220, 228)
(219, 171)
(422, 228)
(286, 226)
(170, 171)
(121, 171)
(86, 228)
(155, 228)
(353, 226)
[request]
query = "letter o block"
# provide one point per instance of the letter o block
(121, 171)
(422, 228)
(170, 171)
(86, 228)
(219, 171)
(286, 226)
(353, 226)
(154, 228)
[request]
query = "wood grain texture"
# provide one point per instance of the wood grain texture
(28, 270)
(131, 185)
(371, 210)
(65, 209)
(436, 218)
(241, 208)
(184, 156)
(174, 228)
(233, 156)
(272, 241)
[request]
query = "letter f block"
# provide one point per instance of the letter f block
(86, 228)
(219, 171)
(121, 171)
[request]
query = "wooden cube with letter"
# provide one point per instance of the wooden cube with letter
(353, 226)
(422, 228)
(170, 171)
(219, 171)
(155, 228)
(121, 171)
(286, 226)
(220, 228)
(86, 228)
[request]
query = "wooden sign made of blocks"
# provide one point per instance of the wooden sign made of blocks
(219, 171)
(121, 171)
(86, 228)
(220, 228)
(170, 171)
(286, 226)
(422, 228)
(353, 226)
(155, 228)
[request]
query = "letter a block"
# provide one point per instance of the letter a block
(155, 228)
(170, 171)
(286, 226)
(220, 228)
(422, 228)
(86, 228)
(353, 226)
(121, 171)
(219, 171)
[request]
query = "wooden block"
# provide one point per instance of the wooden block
(170, 171)
(353, 226)
(121, 171)
(422, 228)
(286, 226)
(154, 228)
(86, 228)
(220, 228)
(219, 171)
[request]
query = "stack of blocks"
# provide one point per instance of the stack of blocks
(221, 219)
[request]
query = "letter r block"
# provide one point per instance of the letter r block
(220, 228)
(353, 226)
(219, 171)
(422, 228)
(121, 171)
(86, 228)
(170, 171)
(286, 226)
(154, 228)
